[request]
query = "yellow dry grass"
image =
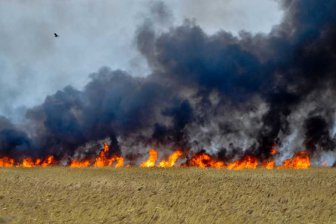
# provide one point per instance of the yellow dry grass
(185, 195)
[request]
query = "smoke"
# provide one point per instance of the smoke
(12, 140)
(229, 95)
(93, 34)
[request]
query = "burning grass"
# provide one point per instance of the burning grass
(177, 195)
(300, 160)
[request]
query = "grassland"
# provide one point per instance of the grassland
(133, 195)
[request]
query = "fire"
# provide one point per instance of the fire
(171, 159)
(6, 162)
(28, 162)
(204, 160)
(247, 162)
(273, 150)
(150, 162)
(102, 160)
(49, 161)
(79, 164)
(268, 165)
(119, 162)
(300, 160)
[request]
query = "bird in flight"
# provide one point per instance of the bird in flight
(55, 34)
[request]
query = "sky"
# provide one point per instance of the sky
(93, 34)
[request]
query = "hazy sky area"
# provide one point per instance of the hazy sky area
(92, 34)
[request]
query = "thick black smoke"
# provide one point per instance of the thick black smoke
(12, 140)
(225, 94)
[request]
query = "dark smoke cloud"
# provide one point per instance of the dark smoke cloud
(12, 140)
(225, 94)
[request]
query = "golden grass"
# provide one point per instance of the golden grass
(134, 195)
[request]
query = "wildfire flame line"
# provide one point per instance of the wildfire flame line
(300, 160)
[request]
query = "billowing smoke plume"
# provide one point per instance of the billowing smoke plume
(228, 95)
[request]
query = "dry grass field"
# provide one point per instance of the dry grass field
(180, 195)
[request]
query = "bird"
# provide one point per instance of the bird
(55, 34)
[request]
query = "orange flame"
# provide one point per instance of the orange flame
(171, 159)
(79, 164)
(268, 165)
(102, 159)
(247, 162)
(204, 160)
(150, 162)
(28, 162)
(49, 161)
(120, 161)
(273, 150)
(6, 162)
(300, 160)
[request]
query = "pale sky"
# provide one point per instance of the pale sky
(34, 64)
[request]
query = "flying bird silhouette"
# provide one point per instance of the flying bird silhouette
(55, 34)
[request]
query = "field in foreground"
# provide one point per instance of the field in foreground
(185, 195)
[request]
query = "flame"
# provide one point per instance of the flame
(79, 164)
(247, 162)
(171, 159)
(204, 160)
(6, 162)
(120, 162)
(102, 159)
(268, 164)
(49, 161)
(273, 150)
(300, 160)
(150, 162)
(28, 162)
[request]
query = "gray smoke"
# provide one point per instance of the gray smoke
(226, 94)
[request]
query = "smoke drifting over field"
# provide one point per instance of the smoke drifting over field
(225, 94)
